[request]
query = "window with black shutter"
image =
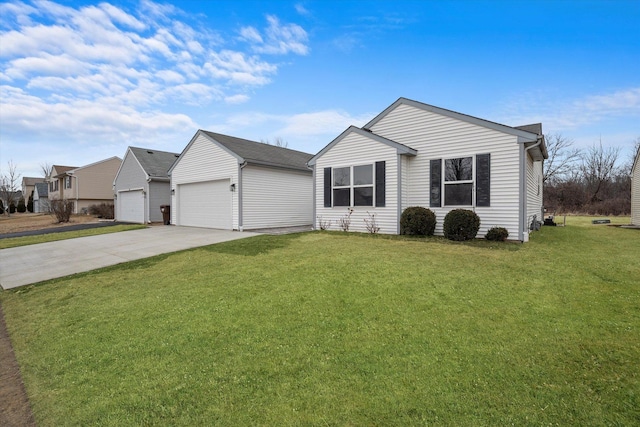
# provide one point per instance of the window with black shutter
(435, 200)
(483, 180)
(327, 187)
(381, 184)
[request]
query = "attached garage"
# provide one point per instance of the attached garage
(220, 181)
(205, 204)
(130, 206)
(142, 185)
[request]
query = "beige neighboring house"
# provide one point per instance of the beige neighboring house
(86, 185)
(635, 191)
(28, 185)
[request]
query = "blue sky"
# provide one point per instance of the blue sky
(82, 80)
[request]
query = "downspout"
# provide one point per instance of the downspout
(314, 212)
(523, 198)
(239, 190)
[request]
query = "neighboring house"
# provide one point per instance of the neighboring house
(86, 185)
(224, 182)
(414, 154)
(142, 185)
(28, 185)
(41, 198)
(635, 191)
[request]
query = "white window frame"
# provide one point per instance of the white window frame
(471, 181)
(352, 185)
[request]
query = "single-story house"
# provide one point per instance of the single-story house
(86, 185)
(142, 185)
(415, 154)
(224, 182)
(635, 191)
(41, 198)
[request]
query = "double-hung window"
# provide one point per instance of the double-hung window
(461, 181)
(360, 185)
(458, 181)
(67, 182)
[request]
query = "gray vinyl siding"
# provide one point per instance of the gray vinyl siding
(534, 190)
(635, 192)
(204, 161)
(131, 176)
(435, 136)
(355, 150)
(276, 198)
(159, 194)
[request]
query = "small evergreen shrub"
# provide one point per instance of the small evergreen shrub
(417, 221)
(497, 234)
(461, 224)
(22, 207)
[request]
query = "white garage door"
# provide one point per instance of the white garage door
(131, 206)
(205, 204)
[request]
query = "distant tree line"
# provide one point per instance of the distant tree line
(594, 181)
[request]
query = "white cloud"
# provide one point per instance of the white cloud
(236, 99)
(301, 9)
(560, 115)
(278, 39)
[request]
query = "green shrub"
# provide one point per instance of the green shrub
(22, 207)
(418, 221)
(497, 234)
(103, 210)
(461, 224)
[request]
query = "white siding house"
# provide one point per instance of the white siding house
(635, 191)
(142, 185)
(220, 181)
(435, 158)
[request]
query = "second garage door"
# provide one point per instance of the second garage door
(131, 206)
(205, 204)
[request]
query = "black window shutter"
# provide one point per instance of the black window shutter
(381, 182)
(483, 180)
(327, 187)
(435, 200)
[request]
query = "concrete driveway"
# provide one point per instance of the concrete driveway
(25, 265)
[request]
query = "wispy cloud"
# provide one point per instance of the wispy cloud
(101, 72)
(563, 115)
(278, 38)
(305, 131)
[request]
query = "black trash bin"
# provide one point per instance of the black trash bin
(166, 214)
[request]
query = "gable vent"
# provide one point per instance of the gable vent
(149, 151)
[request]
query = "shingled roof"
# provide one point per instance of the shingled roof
(155, 163)
(262, 154)
(43, 189)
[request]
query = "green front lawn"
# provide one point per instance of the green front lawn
(343, 329)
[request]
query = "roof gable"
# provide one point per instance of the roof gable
(253, 152)
(154, 163)
(42, 189)
(57, 170)
(401, 148)
(523, 135)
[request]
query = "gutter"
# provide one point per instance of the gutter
(524, 229)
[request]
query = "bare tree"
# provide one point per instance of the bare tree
(598, 168)
(46, 168)
(562, 157)
(277, 141)
(9, 186)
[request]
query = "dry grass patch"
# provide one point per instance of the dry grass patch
(19, 222)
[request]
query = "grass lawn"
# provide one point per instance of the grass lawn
(343, 329)
(13, 242)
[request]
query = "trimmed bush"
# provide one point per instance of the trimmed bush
(103, 210)
(22, 207)
(417, 221)
(461, 224)
(497, 234)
